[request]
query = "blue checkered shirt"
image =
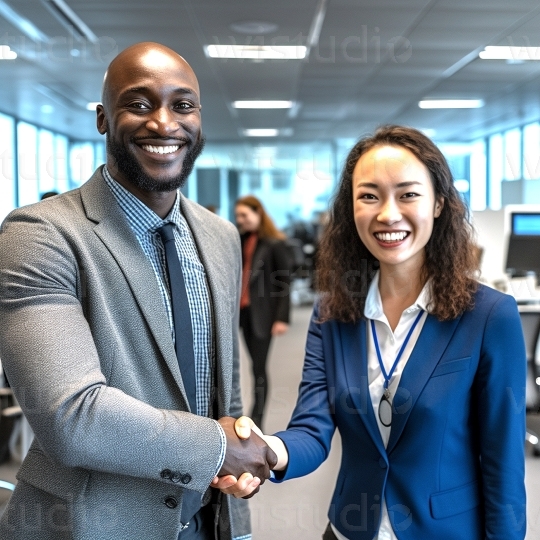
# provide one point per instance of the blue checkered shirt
(144, 222)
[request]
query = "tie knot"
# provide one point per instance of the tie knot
(166, 232)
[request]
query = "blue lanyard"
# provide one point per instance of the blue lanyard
(388, 376)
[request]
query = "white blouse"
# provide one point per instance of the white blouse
(389, 345)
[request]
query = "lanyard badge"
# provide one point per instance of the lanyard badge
(385, 405)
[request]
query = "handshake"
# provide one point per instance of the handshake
(249, 458)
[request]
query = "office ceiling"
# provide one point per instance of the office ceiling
(371, 64)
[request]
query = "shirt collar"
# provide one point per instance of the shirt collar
(142, 219)
(373, 308)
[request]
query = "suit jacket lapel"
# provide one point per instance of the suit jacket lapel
(356, 372)
(115, 232)
(212, 259)
(426, 354)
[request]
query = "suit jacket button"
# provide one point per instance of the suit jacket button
(176, 477)
(186, 479)
(166, 474)
(382, 463)
(170, 502)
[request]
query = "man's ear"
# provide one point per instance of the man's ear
(101, 120)
(439, 204)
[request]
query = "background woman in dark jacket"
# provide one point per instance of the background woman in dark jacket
(265, 289)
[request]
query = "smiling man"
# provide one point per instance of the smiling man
(119, 307)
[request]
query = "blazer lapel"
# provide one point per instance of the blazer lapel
(115, 232)
(356, 372)
(425, 356)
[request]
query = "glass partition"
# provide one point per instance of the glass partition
(28, 189)
(531, 151)
(8, 200)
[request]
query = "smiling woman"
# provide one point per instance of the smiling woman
(399, 181)
(410, 359)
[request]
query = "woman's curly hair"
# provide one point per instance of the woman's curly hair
(345, 267)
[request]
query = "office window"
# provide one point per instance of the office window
(496, 170)
(477, 175)
(27, 163)
(512, 154)
(7, 165)
(254, 180)
(531, 151)
(100, 158)
(46, 162)
(81, 163)
(61, 163)
(281, 179)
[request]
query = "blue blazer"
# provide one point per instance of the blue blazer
(454, 465)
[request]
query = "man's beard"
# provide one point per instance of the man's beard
(127, 164)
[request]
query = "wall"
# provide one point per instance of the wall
(489, 226)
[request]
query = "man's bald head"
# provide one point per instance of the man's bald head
(151, 116)
(138, 58)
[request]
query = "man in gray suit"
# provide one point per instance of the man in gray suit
(91, 342)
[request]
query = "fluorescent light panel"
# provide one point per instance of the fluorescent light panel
(257, 52)
(70, 19)
(451, 103)
(496, 52)
(268, 104)
(261, 132)
(25, 26)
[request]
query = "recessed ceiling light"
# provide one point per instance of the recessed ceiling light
(254, 27)
(451, 103)
(261, 132)
(497, 52)
(257, 52)
(47, 109)
(267, 132)
(6, 53)
(262, 104)
(91, 106)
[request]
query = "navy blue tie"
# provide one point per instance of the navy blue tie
(183, 344)
(181, 314)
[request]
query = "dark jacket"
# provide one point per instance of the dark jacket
(269, 285)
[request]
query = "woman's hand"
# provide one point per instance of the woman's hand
(279, 328)
(246, 486)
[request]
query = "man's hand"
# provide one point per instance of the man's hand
(251, 456)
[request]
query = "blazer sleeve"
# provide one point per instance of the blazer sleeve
(501, 417)
(309, 434)
(281, 276)
(53, 364)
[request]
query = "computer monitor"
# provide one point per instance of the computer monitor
(523, 243)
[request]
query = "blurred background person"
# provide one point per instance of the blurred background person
(265, 299)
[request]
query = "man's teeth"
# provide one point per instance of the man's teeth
(391, 237)
(160, 149)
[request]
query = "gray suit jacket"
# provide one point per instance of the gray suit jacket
(86, 343)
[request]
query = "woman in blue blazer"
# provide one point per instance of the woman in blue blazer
(419, 367)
